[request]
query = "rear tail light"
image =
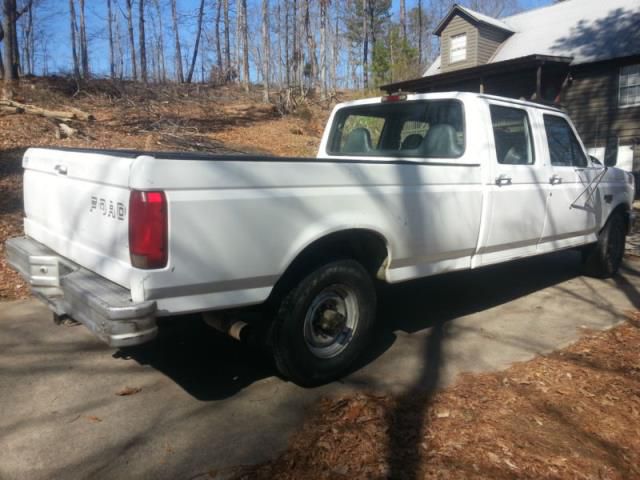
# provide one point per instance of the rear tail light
(148, 229)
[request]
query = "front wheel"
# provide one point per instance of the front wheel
(603, 259)
(323, 324)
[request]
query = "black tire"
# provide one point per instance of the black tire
(603, 258)
(297, 340)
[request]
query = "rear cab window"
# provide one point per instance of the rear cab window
(407, 129)
(512, 135)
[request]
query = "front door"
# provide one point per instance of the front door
(517, 187)
(573, 205)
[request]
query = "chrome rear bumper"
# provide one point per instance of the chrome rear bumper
(101, 305)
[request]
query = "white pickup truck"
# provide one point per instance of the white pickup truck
(404, 186)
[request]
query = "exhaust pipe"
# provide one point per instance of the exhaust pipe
(234, 328)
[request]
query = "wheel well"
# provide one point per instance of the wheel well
(366, 246)
(624, 210)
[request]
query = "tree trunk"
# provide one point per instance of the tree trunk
(218, 42)
(74, 41)
(245, 46)
(142, 40)
(335, 49)
(323, 49)
(197, 44)
(365, 44)
(176, 36)
(119, 49)
(266, 56)
(238, 52)
(227, 41)
(287, 73)
(311, 46)
(84, 47)
(278, 63)
(112, 62)
(29, 46)
(420, 32)
(10, 47)
(161, 63)
(132, 43)
(403, 19)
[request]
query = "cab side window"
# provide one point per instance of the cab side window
(564, 149)
(512, 135)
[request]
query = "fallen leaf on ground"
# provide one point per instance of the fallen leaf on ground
(126, 391)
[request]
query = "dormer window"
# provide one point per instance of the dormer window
(458, 51)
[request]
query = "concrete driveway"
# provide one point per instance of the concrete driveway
(207, 403)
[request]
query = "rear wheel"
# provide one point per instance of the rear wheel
(603, 259)
(324, 323)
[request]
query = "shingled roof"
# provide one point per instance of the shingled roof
(585, 30)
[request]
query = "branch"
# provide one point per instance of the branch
(24, 9)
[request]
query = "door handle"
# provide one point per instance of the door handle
(60, 169)
(503, 180)
(555, 179)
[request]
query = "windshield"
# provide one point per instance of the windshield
(424, 129)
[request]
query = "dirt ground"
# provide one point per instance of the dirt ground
(572, 414)
(128, 115)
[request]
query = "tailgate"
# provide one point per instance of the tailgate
(76, 203)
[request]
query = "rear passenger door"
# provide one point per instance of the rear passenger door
(571, 210)
(517, 186)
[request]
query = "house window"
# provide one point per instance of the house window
(458, 48)
(630, 85)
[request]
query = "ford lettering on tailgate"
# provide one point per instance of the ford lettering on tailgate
(108, 208)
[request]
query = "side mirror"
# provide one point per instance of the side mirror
(595, 160)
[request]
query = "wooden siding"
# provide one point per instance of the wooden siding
(489, 39)
(591, 99)
(457, 26)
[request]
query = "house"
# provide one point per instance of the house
(583, 55)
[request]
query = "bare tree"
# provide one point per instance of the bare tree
(176, 36)
(28, 42)
(84, 47)
(403, 19)
(295, 47)
(365, 44)
(219, 60)
(10, 50)
(420, 32)
(323, 48)
(142, 40)
(112, 62)
(311, 46)
(243, 42)
(132, 42)
(266, 56)
(74, 41)
(197, 44)
(160, 43)
(227, 41)
(119, 49)
(335, 45)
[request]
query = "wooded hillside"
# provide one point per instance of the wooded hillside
(318, 45)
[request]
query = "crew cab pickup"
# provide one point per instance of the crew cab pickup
(403, 186)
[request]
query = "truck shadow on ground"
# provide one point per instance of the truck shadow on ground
(210, 366)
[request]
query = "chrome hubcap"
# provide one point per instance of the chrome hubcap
(330, 321)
